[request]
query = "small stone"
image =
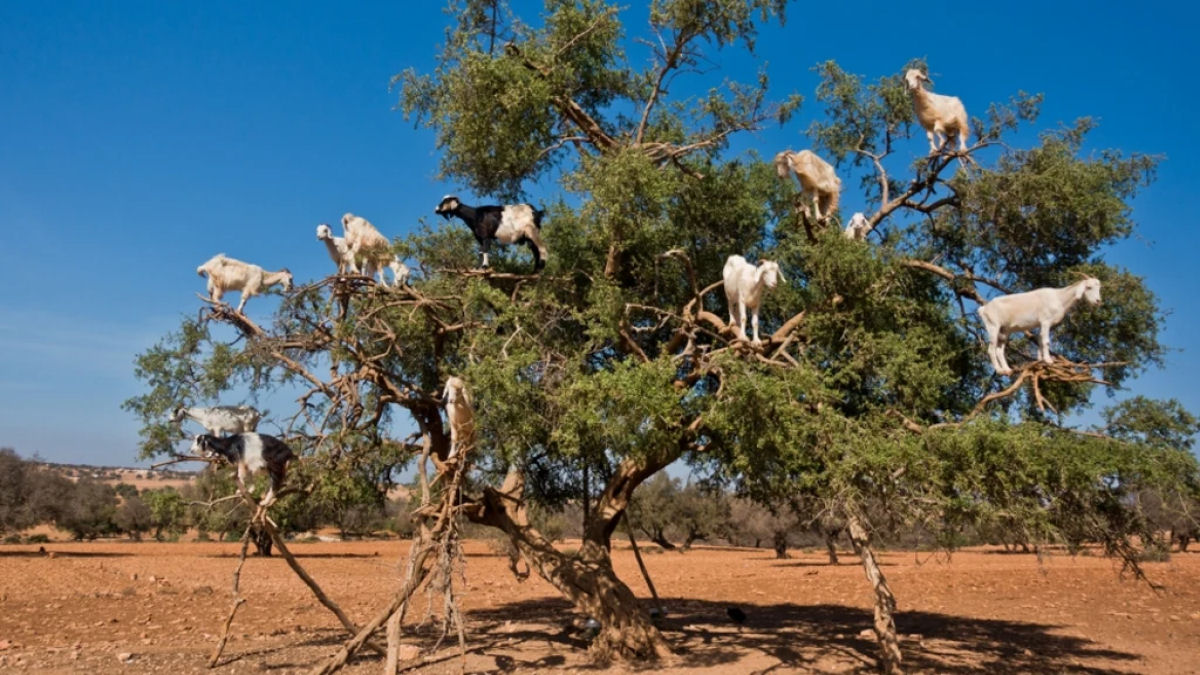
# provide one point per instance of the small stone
(866, 633)
(125, 657)
(408, 652)
(5, 644)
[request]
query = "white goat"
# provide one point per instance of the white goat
(221, 419)
(338, 248)
(817, 179)
(1021, 312)
(744, 285)
(366, 245)
(940, 115)
(858, 228)
(340, 254)
(400, 272)
(227, 274)
(460, 414)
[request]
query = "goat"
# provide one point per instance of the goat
(222, 419)
(460, 414)
(511, 224)
(1021, 312)
(940, 115)
(342, 256)
(400, 272)
(744, 286)
(227, 274)
(858, 228)
(251, 453)
(338, 248)
(366, 245)
(817, 179)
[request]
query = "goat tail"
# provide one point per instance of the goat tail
(537, 218)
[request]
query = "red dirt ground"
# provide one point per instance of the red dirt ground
(161, 606)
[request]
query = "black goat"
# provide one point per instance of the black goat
(512, 224)
(250, 452)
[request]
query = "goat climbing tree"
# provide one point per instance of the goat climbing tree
(872, 397)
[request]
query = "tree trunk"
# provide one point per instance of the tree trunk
(780, 540)
(262, 541)
(831, 546)
(661, 539)
(587, 579)
(885, 602)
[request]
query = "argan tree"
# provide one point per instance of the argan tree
(871, 395)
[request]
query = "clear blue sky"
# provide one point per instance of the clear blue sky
(137, 139)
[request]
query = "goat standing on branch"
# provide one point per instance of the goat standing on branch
(818, 180)
(251, 453)
(221, 419)
(941, 116)
(338, 249)
(227, 274)
(512, 224)
(460, 414)
(858, 228)
(366, 244)
(744, 287)
(1020, 312)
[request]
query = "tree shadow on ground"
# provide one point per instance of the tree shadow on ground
(52, 553)
(812, 563)
(823, 637)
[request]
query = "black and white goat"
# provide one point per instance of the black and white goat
(512, 224)
(251, 453)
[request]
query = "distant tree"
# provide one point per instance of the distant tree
(652, 509)
(1168, 426)
(125, 490)
(701, 513)
(90, 510)
(133, 516)
(51, 495)
(168, 511)
(15, 510)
